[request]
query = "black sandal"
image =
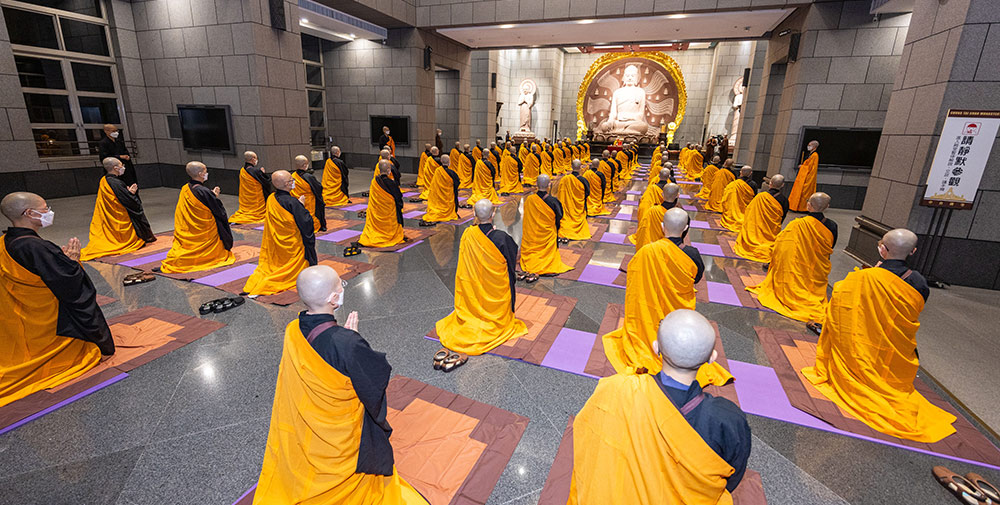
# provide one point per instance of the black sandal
(439, 358)
(519, 275)
(209, 307)
(531, 278)
(426, 223)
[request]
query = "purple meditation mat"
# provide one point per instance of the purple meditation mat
(142, 260)
(411, 193)
(630, 202)
(570, 351)
(413, 214)
(613, 238)
(339, 235)
(229, 275)
(64, 403)
(354, 208)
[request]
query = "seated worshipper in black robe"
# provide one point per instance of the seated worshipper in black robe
(307, 185)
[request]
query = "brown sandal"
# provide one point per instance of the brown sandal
(988, 489)
(138, 278)
(454, 361)
(531, 278)
(439, 358)
(965, 491)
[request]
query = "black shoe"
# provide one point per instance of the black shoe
(156, 269)
(426, 223)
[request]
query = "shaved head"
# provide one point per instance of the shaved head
(575, 164)
(670, 192)
(595, 164)
(813, 144)
(445, 160)
(716, 160)
(384, 154)
(301, 162)
(384, 166)
(435, 151)
(427, 146)
(746, 171)
(669, 165)
(777, 181)
(111, 164)
(466, 147)
(664, 174)
(675, 221)
(335, 150)
(16, 204)
(195, 169)
(685, 339)
(458, 145)
(899, 244)
(282, 180)
(819, 202)
(316, 285)
(484, 211)
(606, 153)
(250, 157)
(543, 182)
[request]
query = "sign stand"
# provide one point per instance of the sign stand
(932, 245)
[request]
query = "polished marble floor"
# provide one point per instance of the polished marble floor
(190, 428)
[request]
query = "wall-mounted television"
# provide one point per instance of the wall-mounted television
(399, 128)
(853, 148)
(207, 128)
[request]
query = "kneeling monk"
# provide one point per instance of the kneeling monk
(762, 222)
(572, 191)
(661, 279)
(289, 243)
(430, 167)
(329, 437)
(384, 219)
(484, 177)
(336, 180)
(720, 180)
(796, 281)
(510, 172)
(652, 195)
(651, 221)
(119, 224)
(866, 358)
(735, 199)
(540, 232)
(599, 184)
(255, 185)
(53, 331)
(442, 202)
(484, 289)
(306, 185)
(658, 438)
(202, 237)
(707, 176)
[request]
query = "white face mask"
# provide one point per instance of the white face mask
(45, 218)
(121, 170)
(205, 179)
(291, 186)
(113, 135)
(337, 298)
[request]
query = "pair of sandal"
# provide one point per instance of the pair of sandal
(221, 305)
(465, 206)
(415, 200)
(352, 250)
(562, 241)
(362, 213)
(526, 277)
(447, 361)
(814, 327)
(972, 489)
(138, 278)
(426, 223)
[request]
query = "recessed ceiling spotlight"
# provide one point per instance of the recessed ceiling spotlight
(677, 16)
(585, 21)
(303, 20)
(506, 26)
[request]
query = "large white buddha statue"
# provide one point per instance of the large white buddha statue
(628, 107)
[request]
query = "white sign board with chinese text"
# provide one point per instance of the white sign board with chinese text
(965, 145)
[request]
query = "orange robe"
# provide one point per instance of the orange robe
(650, 226)
(532, 166)
(695, 164)
(302, 188)
(720, 180)
(546, 166)
(608, 170)
(315, 437)
(382, 228)
(761, 224)
(510, 178)
(483, 317)
(632, 445)
(333, 185)
(805, 184)
(197, 245)
(431, 167)
(442, 201)
(252, 200)
(539, 247)
(111, 230)
(282, 255)
(735, 199)
(570, 193)
(595, 203)
(706, 182)
(796, 281)
(653, 195)
(422, 177)
(866, 358)
(482, 185)
(660, 280)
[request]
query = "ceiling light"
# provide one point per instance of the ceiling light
(608, 47)
(303, 20)
(585, 21)
(677, 16)
(353, 36)
(506, 26)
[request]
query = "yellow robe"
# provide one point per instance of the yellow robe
(510, 179)
(626, 166)
(252, 201)
(761, 224)
(32, 356)
(595, 203)
(570, 192)
(653, 195)
(660, 280)
(333, 194)
(422, 179)
(631, 445)
(441, 198)
(796, 281)
(682, 159)
(546, 166)
(805, 184)
(532, 165)
(381, 227)
(735, 199)
(539, 248)
(111, 230)
(650, 226)
(559, 160)
(866, 359)
(483, 318)
(695, 165)
(315, 436)
(430, 171)
(302, 188)
(197, 245)
(281, 253)
(477, 152)
(609, 175)
(482, 185)
(720, 180)
(707, 176)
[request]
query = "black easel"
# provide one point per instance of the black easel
(929, 251)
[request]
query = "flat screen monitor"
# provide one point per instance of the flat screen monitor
(844, 147)
(399, 128)
(206, 128)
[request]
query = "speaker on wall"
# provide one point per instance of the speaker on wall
(427, 58)
(277, 8)
(793, 46)
(746, 77)
(493, 80)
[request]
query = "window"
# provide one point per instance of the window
(312, 56)
(66, 71)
